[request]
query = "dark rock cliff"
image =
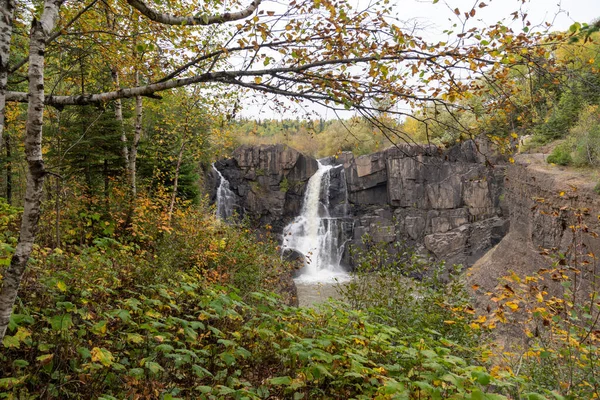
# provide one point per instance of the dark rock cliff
(545, 204)
(269, 181)
(445, 203)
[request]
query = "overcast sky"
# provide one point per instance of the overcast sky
(435, 18)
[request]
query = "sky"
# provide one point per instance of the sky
(433, 19)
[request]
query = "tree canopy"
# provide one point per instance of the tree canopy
(98, 53)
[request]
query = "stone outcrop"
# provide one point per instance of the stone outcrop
(269, 181)
(545, 202)
(445, 203)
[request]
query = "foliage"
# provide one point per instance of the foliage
(411, 293)
(95, 318)
(316, 138)
(586, 134)
(561, 154)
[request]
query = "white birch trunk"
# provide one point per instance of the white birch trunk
(176, 181)
(119, 117)
(40, 31)
(7, 15)
(139, 110)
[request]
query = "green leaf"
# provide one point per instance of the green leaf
(483, 378)
(11, 341)
(20, 363)
(84, 352)
(535, 396)
(99, 328)
(61, 322)
(281, 380)
(153, 367)
(200, 372)
(135, 338)
(137, 373)
(227, 358)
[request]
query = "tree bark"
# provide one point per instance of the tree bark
(119, 117)
(139, 110)
(7, 16)
(8, 169)
(40, 30)
(169, 19)
(176, 182)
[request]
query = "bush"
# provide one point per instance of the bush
(586, 134)
(558, 312)
(105, 323)
(561, 155)
(418, 297)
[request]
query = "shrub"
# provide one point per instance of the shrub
(414, 295)
(586, 134)
(557, 310)
(104, 323)
(561, 155)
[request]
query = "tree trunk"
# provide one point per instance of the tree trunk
(8, 169)
(176, 182)
(119, 117)
(136, 139)
(40, 31)
(114, 72)
(7, 16)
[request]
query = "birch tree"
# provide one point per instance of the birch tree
(320, 51)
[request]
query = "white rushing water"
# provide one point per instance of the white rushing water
(317, 235)
(225, 197)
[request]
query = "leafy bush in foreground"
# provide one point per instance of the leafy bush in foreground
(105, 323)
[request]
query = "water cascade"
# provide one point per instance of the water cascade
(318, 233)
(225, 197)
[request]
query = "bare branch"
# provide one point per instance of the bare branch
(168, 19)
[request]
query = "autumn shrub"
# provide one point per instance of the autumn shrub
(419, 297)
(100, 324)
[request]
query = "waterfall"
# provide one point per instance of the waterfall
(316, 234)
(225, 197)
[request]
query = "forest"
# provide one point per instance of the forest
(117, 280)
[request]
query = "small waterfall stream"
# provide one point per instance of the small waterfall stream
(316, 234)
(225, 197)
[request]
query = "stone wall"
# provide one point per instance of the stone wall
(445, 203)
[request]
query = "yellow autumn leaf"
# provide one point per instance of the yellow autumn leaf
(512, 305)
(539, 297)
(61, 286)
(258, 80)
(448, 322)
(102, 356)
(561, 193)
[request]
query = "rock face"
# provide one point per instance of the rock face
(445, 203)
(270, 181)
(544, 203)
